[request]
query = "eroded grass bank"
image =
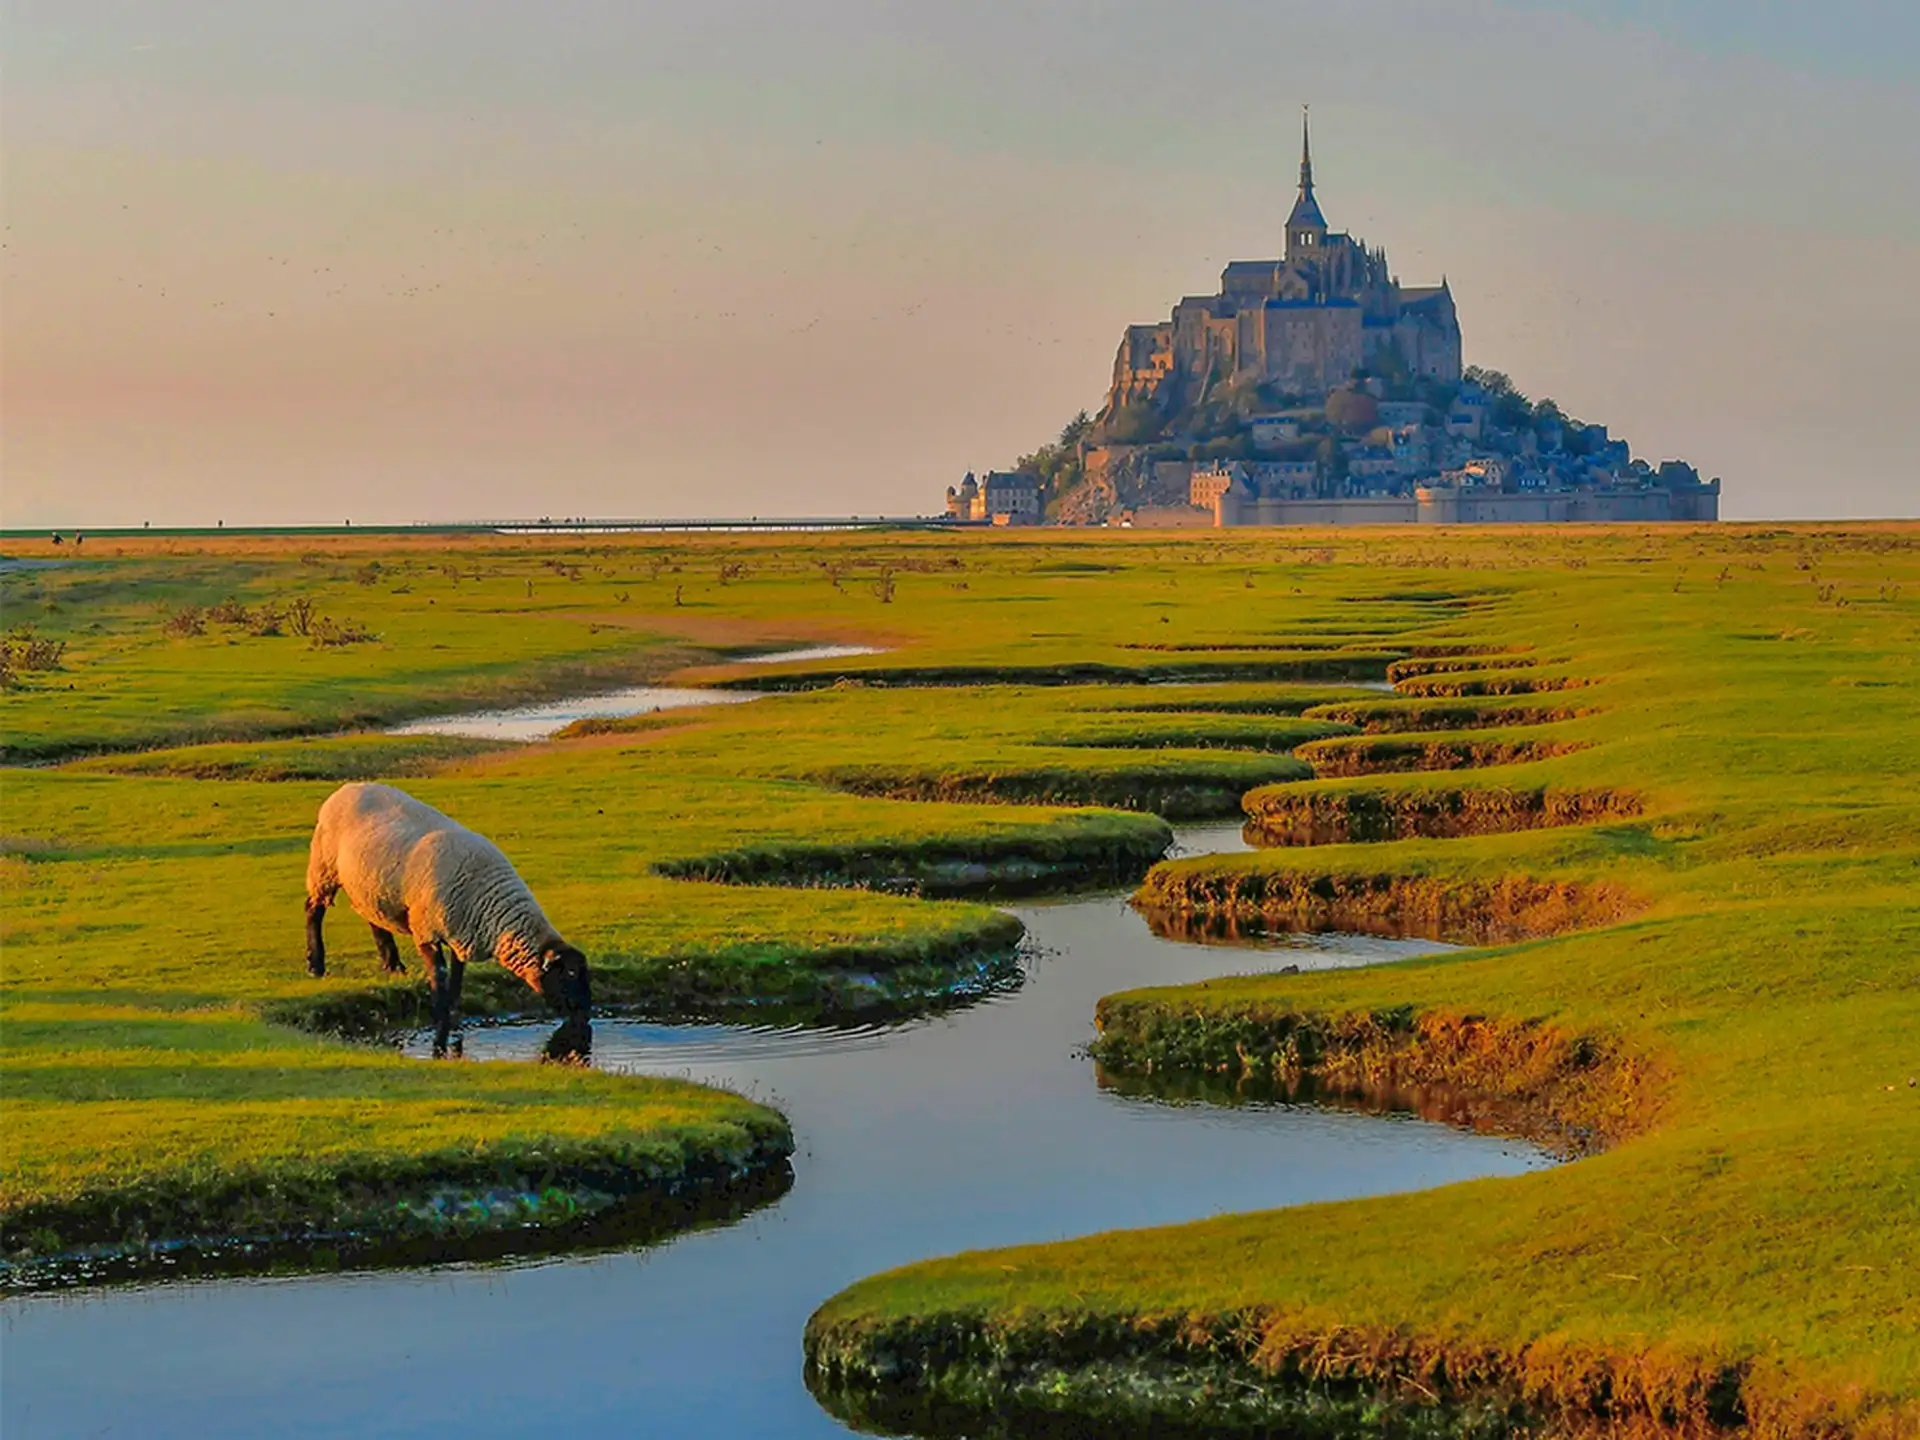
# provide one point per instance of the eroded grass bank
(1741, 1258)
(153, 898)
(1381, 755)
(149, 1109)
(686, 1156)
(1207, 898)
(1258, 1373)
(1336, 814)
(1573, 1093)
(1696, 987)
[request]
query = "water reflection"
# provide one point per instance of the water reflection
(1257, 932)
(983, 1126)
(571, 1044)
(1378, 1095)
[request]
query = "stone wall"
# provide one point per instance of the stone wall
(1447, 505)
(1309, 349)
(1467, 506)
(1383, 510)
(1171, 517)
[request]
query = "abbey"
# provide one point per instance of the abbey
(1299, 326)
(1317, 390)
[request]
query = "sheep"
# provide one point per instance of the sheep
(407, 869)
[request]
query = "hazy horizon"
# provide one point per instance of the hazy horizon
(419, 260)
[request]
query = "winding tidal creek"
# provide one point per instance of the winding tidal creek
(538, 722)
(983, 1126)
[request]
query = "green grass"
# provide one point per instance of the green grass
(323, 757)
(146, 882)
(1754, 1217)
(1067, 745)
(1759, 1212)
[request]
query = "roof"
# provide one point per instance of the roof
(1306, 212)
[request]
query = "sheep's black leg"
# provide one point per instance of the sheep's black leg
(442, 987)
(457, 973)
(389, 951)
(316, 941)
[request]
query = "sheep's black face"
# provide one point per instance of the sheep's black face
(564, 981)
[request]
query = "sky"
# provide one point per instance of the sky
(418, 260)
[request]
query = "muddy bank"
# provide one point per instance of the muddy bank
(525, 1199)
(1438, 1102)
(1303, 667)
(1339, 757)
(1418, 665)
(1211, 899)
(1271, 1373)
(1173, 790)
(1480, 682)
(1306, 705)
(1571, 1093)
(1263, 735)
(1021, 865)
(1315, 644)
(825, 985)
(1377, 717)
(1333, 817)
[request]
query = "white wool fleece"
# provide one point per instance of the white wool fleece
(407, 868)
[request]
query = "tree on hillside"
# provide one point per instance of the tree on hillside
(1494, 382)
(1333, 466)
(1352, 410)
(1390, 366)
(1511, 410)
(1058, 464)
(1134, 423)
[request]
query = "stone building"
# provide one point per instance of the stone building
(1009, 497)
(1300, 325)
(960, 501)
(1005, 497)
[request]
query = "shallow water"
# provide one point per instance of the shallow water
(538, 722)
(811, 652)
(978, 1127)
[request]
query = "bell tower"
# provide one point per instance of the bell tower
(1306, 226)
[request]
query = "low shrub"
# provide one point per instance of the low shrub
(187, 620)
(326, 633)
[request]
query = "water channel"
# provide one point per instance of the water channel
(980, 1127)
(538, 722)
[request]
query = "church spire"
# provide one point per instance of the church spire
(1306, 226)
(1306, 158)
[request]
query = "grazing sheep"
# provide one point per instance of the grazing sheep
(408, 870)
